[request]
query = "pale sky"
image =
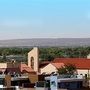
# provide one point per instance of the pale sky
(44, 19)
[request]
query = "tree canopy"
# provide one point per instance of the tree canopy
(67, 69)
(46, 53)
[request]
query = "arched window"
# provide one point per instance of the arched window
(32, 62)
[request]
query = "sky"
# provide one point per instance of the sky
(21, 19)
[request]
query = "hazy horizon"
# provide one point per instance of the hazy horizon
(46, 42)
(25, 19)
(43, 38)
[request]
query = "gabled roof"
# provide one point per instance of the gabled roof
(58, 65)
(23, 67)
(80, 63)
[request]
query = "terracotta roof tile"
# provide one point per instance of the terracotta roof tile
(80, 63)
(58, 65)
(24, 67)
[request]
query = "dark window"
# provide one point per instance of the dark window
(32, 62)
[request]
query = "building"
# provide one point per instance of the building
(82, 64)
(33, 59)
(51, 67)
(35, 68)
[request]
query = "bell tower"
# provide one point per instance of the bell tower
(33, 59)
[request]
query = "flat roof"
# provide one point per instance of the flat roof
(66, 79)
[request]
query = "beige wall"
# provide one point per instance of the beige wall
(9, 65)
(83, 71)
(88, 56)
(3, 65)
(35, 54)
(48, 69)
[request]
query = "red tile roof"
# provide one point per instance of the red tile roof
(24, 68)
(58, 65)
(80, 63)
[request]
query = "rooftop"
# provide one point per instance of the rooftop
(80, 63)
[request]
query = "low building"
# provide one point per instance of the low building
(65, 82)
(51, 67)
(82, 65)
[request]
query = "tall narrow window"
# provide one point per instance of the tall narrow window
(32, 62)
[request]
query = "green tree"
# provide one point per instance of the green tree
(67, 69)
(62, 70)
(70, 68)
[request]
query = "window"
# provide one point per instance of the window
(32, 62)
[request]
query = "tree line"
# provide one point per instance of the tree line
(66, 52)
(48, 53)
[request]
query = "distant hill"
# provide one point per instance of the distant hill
(42, 42)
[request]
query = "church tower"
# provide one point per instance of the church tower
(33, 59)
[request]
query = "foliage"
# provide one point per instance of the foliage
(70, 68)
(67, 69)
(62, 70)
(48, 53)
(66, 52)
